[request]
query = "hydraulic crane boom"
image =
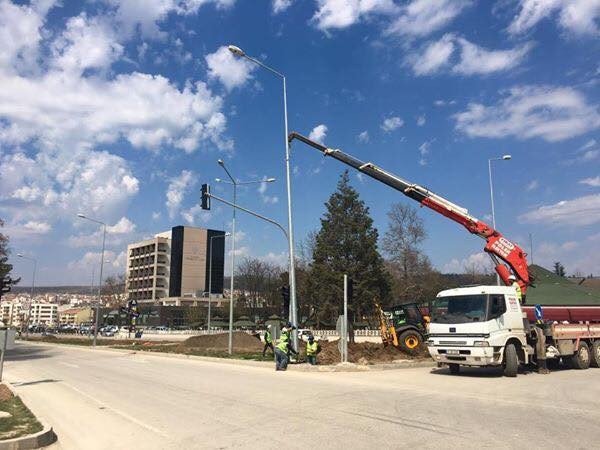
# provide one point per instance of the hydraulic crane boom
(497, 246)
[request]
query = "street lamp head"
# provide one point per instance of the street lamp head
(506, 157)
(218, 180)
(220, 162)
(81, 216)
(270, 180)
(236, 50)
(20, 255)
(228, 234)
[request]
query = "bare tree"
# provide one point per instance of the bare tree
(259, 281)
(113, 288)
(407, 263)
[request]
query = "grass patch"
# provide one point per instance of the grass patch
(21, 423)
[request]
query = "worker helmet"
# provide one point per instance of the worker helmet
(512, 278)
(269, 327)
(311, 337)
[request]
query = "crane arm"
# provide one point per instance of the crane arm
(497, 246)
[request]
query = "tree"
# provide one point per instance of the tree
(114, 288)
(346, 244)
(559, 269)
(259, 281)
(5, 267)
(409, 266)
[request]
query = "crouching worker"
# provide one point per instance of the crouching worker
(281, 351)
(312, 350)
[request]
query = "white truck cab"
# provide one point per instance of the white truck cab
(473, 326)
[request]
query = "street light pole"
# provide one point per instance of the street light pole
(20, 255)
(292, 272)
(235, 185)
(503, 158)
(210, 274)
(82, 216)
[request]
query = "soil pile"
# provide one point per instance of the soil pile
(5, 393)
(365, 353)
(242, 342)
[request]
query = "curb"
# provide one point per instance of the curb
(37, 440)
(347, 367)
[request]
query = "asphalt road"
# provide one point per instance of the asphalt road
(98, 399)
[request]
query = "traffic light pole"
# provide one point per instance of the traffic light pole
(241, 208)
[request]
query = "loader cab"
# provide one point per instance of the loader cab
(405, 315)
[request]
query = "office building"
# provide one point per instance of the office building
(173, 267)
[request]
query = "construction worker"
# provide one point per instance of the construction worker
(268, 340)
(517, 287)
(284, 346)
(312, 350)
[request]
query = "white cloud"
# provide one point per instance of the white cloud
(472, 60)
(343, 13)
(579, 211)
(391, 123)
(156, 215)
(55, 184)
(176, 191)
(262, 190)
(363, 137)
(124, 225)
(547, 112)
(575, 16)
(37, 227)
(145, 15)
(594, 182)
(278, 6)
(433, 57)
(360, 177)
(86, 43)
(479, 262)
(318, 133)
(475, 60)
(424, 149)
(532, 185)
(230, 70)
(422, 17)
(196, 214)
(421, 120)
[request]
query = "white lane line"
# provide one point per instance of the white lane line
(75, 366)
(116, 411)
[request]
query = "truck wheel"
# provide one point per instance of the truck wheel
(511, 361)
(581, 359)
(454, 368)
(595, 362)
(410, 341)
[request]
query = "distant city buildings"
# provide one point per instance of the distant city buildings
(173, 268)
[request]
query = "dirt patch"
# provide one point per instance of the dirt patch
(366, 353)
(242, 342)
(5, 393)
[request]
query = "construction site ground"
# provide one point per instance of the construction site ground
(361, 356)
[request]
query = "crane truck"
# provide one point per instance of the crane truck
(486, 325)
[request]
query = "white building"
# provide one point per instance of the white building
(44, 314)
(12, 313)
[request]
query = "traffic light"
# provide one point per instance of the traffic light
(5, 284)
(205, 197)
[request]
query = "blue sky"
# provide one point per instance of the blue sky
(120, 110)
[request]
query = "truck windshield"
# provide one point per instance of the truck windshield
(459, 309)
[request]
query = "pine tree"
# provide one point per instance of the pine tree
(347, 244)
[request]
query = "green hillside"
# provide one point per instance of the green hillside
(554, 290)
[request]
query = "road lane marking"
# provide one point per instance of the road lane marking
(116, 411)
(75, 366)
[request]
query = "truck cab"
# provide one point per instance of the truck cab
(473, 326)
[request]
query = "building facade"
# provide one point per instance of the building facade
(75, 316)
(44, 314)
(174, 267)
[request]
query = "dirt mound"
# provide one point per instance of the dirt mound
(365, 353)
(5, 393)
(242, 342)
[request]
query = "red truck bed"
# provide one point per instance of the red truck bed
(572, 314)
